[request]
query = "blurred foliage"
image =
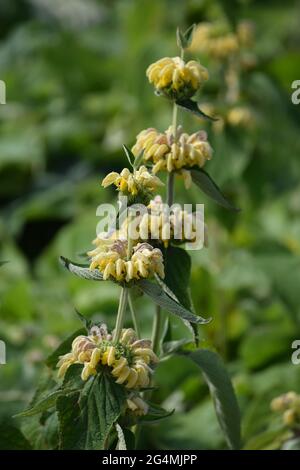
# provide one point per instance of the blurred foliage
(76, 91)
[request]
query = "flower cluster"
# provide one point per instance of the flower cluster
(161, 224)
(175, 78)
(112, 259)
(168, 154)
(214, 41)
(140, 181)
(127, 360)
(289, 405)
(240, 116)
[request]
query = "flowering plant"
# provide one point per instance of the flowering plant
(103, 391)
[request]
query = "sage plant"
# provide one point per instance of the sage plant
(100, 392)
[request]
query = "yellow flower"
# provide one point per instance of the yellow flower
(288, 405)
(160, 149)
(214, 40)
(240, 116)
(163, 225)
(133, 183)
(113, 261)
(128, 360)
(137, 405)
(175, 78)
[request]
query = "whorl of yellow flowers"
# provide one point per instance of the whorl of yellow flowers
(289, 405)
(167, 154)
(111, 258)
(162, 224)
(214, 41)
(175, 78)
(128, 360)
(133, 183)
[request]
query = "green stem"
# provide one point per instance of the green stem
(121, 313)
(133, 316)
(174, 120)
(156, 329)
(170, 189)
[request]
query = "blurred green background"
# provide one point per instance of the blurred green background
(76, 91)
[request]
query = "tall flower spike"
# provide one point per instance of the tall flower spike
(175, 78)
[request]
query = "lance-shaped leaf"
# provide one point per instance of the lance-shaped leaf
(129, 155)
(43, 405)
(202, 179)
(86, 418)
(157, 294)
(184, 40)
(81, 270)
(155, 413)
(192, 107)
(219, 383)
(177, 273)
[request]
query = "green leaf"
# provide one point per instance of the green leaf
(129, 155)
(2, 263)
(222, 392)
(81, 270)
(72, 382)
(184, 40)
(170, 347)
(11, 438)
(202, 179)
(87, 418)
(155, 413)
(63, 348)
(85, 321)
(267, 439)
(157, 294)
(177, 273)
(42, 405)
(192, 107)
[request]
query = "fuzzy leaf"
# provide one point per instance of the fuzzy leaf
(177, 273)
(157, 294)
(192, 107)
(202, 179)
(87, 418)
(155, 413)
(81, 270)
(222, 392)
(184, 40)
(42, 405)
